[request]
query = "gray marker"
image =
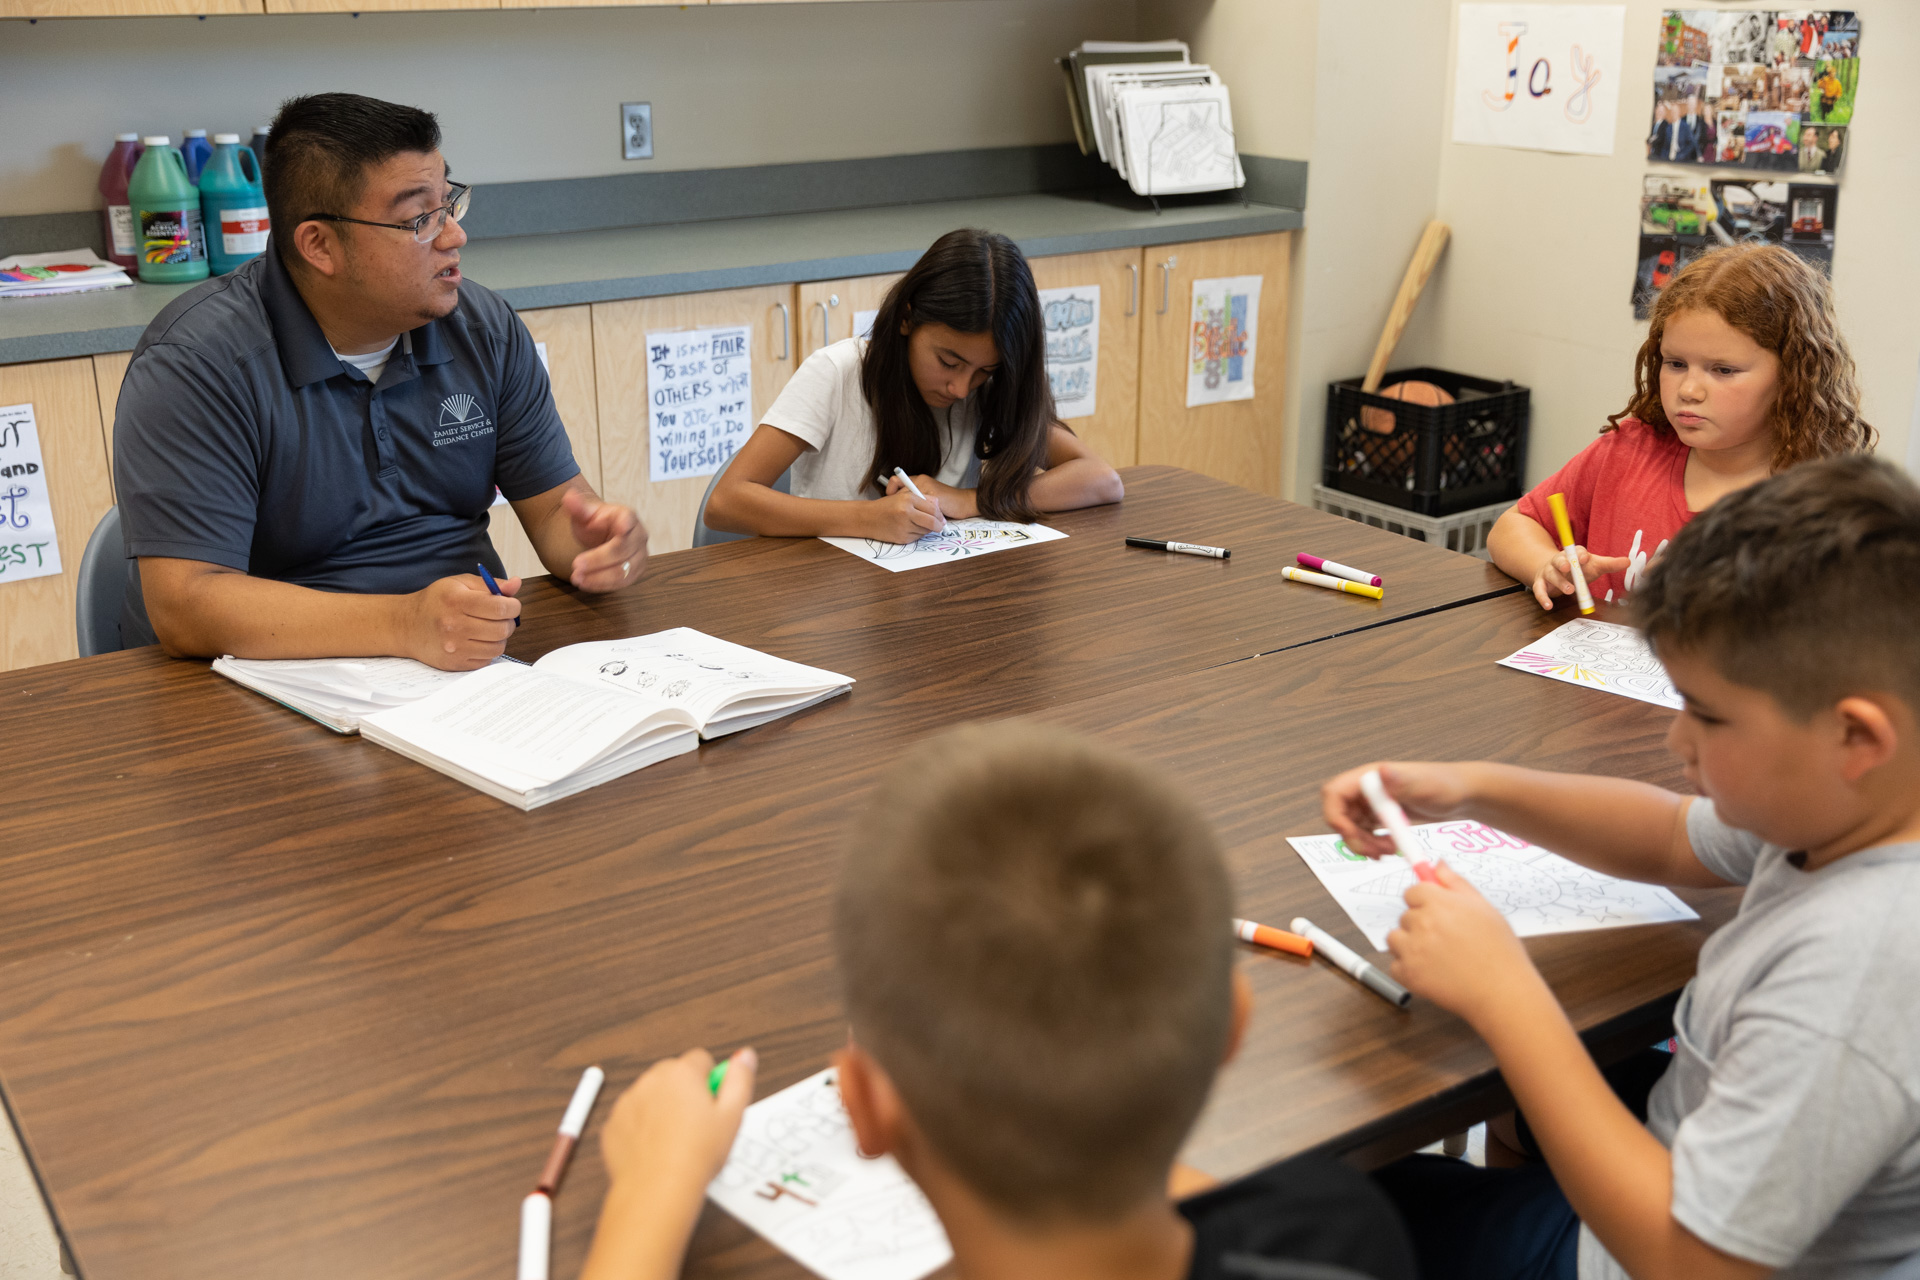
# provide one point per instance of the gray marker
(1345, 957)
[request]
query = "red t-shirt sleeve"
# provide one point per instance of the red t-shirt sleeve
(1579, 480)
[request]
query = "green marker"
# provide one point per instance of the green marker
(715, 1076)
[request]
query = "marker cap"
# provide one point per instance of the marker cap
(536, 1236)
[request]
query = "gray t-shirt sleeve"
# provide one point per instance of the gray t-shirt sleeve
(1728, 852)
(186, 459)
(1795, 1123)
(531, 452)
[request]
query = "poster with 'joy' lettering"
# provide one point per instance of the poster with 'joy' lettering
(699, 399)
(1544, 77)
(28, 547)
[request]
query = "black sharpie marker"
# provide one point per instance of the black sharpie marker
(1184, 548)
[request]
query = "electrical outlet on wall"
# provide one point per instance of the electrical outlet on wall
(636, 130)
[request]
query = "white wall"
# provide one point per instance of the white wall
(1535, 286)
(534, 93)
(1353, 87)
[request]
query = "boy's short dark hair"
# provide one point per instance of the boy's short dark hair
(1803, 586)
(1035, 940)
(320, 148)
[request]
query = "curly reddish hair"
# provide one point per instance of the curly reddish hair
(1775, 298)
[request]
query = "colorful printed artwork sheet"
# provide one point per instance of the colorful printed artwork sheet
(1540, 76)
(795, 1177)
(1538, 891)
(960, 540)
(1684, 215)
(1226, 335)
(1070, 318)
(1599, 655)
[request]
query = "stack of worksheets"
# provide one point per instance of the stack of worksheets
(36, 275)
(1162, 121)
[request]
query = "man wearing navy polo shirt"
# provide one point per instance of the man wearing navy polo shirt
(305, 450)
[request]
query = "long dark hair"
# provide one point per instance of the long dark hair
(972, 282)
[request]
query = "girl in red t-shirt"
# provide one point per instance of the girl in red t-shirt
(1743, 374)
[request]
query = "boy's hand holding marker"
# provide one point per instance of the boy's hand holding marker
(666, 1139)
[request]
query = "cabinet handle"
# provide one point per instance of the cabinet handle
(1166, 283)
(1133, 289)
(826, 331)
(786, 331)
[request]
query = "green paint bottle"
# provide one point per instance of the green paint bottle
(170, 240)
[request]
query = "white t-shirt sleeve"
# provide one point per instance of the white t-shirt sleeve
(1728, 852)
(810, 404)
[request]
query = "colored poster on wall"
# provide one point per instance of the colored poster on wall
(1070, 320)
(1767, 89)
(1226, 334)
(28, 546)
(1682, 216)
(1544, 77)
(699, 399)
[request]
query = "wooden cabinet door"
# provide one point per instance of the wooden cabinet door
(37, 614)
(109, 371)
(827, 308)
(373, 6)
(568, 335)
(1238, 441)
(620, 333)
(1114, 427)
(124, 8)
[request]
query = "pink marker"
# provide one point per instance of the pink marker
(1339, 570)
(1394, 818)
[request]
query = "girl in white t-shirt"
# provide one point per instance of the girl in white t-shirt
(951, 387)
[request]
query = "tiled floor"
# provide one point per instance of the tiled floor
(28, 1248)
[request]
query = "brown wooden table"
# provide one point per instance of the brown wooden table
(281, 1003)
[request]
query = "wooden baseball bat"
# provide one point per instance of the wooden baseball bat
(1425, 256)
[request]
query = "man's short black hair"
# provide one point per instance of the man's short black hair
(321, 146)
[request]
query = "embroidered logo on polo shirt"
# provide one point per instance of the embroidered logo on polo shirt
(461, 419)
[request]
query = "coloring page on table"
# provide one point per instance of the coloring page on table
(795, 1177)
(1226, 336)
(1599, 655)
(28, 546)
(1542, 77)
(1538, 891)
(960, 540)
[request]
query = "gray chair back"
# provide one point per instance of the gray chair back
(705, 537)
(103, 588)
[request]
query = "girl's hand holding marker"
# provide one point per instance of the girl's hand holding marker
(906, 514)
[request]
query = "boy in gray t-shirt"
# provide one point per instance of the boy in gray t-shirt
(1784, 1138)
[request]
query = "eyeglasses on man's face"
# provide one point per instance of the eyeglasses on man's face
(424, 229)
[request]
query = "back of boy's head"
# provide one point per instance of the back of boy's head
(1774, 297)
(1802, 586)
(1035, 940)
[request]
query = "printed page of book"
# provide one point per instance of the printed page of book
(712, 680)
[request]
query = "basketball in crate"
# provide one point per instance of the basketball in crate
(1429, 440)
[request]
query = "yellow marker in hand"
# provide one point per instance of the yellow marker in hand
(1558, 501)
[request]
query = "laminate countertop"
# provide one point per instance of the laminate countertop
(694, 257)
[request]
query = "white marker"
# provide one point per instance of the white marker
(536, 1235)
(1339, 570)
(1345, 958)
(907, 480)
(1388, 810)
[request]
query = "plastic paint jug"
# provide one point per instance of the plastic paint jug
(233, 205)
(259, 145)
(117, 217)
(195, 151)
(166, 216)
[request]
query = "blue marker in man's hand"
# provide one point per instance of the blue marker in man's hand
(493, 586)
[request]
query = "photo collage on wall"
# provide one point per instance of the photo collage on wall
(1768, 93)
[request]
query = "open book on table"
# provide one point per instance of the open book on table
(580, 716)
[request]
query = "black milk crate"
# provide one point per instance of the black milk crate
(1433, 459)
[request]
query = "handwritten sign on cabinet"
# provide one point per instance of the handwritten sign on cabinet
(699, 399)
(28, 547)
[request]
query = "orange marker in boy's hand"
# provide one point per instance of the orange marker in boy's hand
(1394, 818)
